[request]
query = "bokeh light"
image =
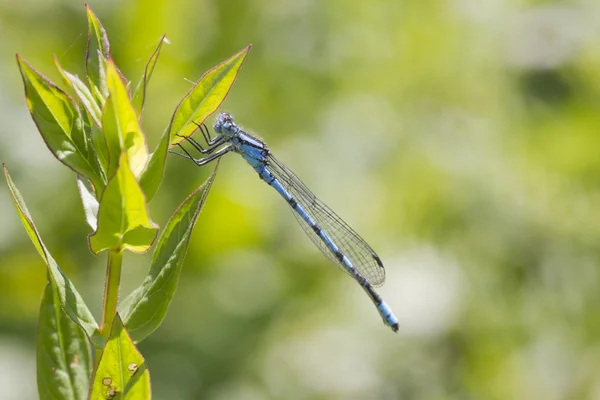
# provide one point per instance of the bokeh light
(460, 138)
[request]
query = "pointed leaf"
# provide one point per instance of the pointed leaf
(100, 146)
(121, 127)
(139, 96)
(121, 373)
(123, 221)
(100, 94)
(152, 176)
(59, 121)
(70, 300)
(64, 364)
(90, 204)
(98, 51)
(205, 97)
(145, 308)
(83, 93)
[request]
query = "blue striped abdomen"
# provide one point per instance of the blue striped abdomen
(266, 176)
(313, 229)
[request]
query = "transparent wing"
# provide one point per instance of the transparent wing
(360, 254)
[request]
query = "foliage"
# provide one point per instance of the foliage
(98, 134)
(459, 138)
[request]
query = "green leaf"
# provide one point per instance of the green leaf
(121, 373)
(145, 308)
(152, 176)
(123, 221)
(70, 300)
(83, 93)
(99, 144)
(98, 51)
(59, 121)
(121, 127)
(90, 204)
(139, 95)
(205, 97)
(64, 364)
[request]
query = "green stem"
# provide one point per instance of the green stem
(111, 291)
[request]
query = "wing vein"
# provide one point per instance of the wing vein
(360, 254)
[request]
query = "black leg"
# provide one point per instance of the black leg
(202, 127)
(205, 160)
(186, 155)
(206, 133)
(193, 142)
(212, 147)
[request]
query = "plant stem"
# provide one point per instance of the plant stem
(111, 291)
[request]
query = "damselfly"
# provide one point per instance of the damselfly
(329, 232)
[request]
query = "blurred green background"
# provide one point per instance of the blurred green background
(461, 138)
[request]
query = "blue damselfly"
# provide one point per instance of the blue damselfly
(329, 232)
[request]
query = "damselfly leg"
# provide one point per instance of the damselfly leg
(212, 145)
(205, 160)
(206, 134)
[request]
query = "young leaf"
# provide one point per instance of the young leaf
(100, 94)
(145, 308)
(100, 146)
(121, 127)
(83, 93)
(123, 221)
(64, 362)
(152, 176)
(121, 373)
(90, 204)
(70, 300)
(59, 121)
(205, 97)
(98, 50)
(139, 95)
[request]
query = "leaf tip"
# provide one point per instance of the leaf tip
(57, 64)
(24, 65)
(244, 52)
(21, 61)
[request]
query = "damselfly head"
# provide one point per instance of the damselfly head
(224, 124)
